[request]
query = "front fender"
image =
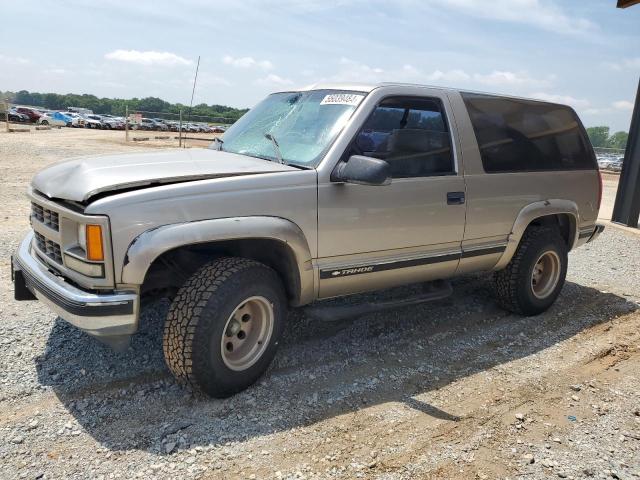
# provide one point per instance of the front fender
(530, 213)
(149, 245)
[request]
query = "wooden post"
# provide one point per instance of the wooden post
(7, 105)
(126, 123)
(180, 130)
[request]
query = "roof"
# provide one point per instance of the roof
(364, 87)
(368, 87)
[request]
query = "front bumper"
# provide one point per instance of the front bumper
(99, 314)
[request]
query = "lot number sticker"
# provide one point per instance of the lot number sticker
(342, 99)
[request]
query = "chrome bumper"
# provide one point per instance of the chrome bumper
(96, 313)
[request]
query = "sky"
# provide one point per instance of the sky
(580, 52)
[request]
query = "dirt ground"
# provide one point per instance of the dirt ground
(452, 389)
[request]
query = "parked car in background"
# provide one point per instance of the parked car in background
(151, 124)
(75, 118)
(97, 118)
(55, 119)
(145, 124)
(161, 122)
(160, 125)
(613, 164)
(616, 164)
(109, 122)
(217, 129)
(89, 121)
(15, 116)
(173, 125)
(31, 113)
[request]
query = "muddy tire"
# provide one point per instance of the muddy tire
(224, 325)
(534, 277)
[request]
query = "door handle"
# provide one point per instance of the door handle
(455, 198)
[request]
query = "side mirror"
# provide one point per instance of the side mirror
(362, 171)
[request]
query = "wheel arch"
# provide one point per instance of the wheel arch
(560, 213)
(181, 248)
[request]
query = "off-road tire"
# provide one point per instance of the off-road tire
(513, 283)
(196, 322)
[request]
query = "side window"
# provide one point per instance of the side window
(523, 135)
(411, 134)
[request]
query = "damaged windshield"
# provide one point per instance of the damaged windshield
(305, 125)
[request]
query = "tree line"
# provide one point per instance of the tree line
(116, 106)
(601, 138)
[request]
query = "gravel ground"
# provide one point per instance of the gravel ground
(453, 389)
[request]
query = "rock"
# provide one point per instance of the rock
(575, 398)
(528, 458)
(576, 388)
(520, 416)
(557, 440)
(562, 475)
(169, 446)
(17, 439)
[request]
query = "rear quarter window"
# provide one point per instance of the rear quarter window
(524, 135)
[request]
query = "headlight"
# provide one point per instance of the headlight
(95, 270)
(82, 237)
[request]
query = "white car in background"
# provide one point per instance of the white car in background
(55, 119)
(75, 118)
(89, 121)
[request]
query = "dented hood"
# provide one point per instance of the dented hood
(82, 178)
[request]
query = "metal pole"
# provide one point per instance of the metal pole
(626, 210)
(126, 123)
(195, 79)
(180, 130)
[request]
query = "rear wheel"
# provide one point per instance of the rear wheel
(534, 277)
(44, 122)
(223, 327)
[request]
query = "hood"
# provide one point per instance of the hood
(82, 178)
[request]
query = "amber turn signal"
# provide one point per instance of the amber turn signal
(95, 251)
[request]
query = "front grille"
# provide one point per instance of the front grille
(49, 248)
(45, 216)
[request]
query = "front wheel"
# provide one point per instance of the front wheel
(534, 277)
(223, 327)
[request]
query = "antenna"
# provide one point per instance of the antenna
(195, 79)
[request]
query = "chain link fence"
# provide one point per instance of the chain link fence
(609, 152)
(188, 127)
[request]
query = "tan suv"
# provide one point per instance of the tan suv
(313, 194)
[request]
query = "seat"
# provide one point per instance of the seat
(417, 152)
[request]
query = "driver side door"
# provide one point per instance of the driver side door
(372, 237)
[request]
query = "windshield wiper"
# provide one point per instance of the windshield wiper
(220, 142)
(276, 147)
